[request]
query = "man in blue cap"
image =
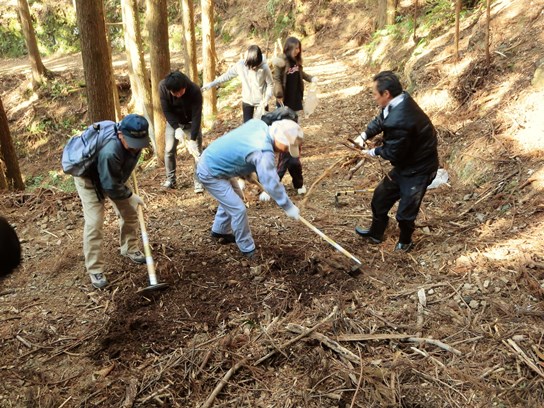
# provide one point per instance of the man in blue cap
(121, 146)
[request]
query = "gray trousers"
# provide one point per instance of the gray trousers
(231, 216)
(170, 147)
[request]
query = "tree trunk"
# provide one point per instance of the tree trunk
(115, 95)
(415, 20)
(189, 39)
(487, 33)
(11, 177)
(159, 53)
(209, 109)
(96, 60)
(391, 12)
(457, 23)
(139, 77)
(39, 72)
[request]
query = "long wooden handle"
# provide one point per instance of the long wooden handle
(329, 240)
(145, 238)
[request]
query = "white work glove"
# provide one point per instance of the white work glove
(314, 80)
(361, 139)
(371, 152)
(293, 212)
(135, 200)
(206, 87)
(192, 148)
(264, 196)
(179, 135)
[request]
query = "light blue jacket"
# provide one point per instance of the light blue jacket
(244, 150)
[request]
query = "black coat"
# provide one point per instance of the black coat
(182, 111)
(409, 138)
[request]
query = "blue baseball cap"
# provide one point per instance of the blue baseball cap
(135, 131)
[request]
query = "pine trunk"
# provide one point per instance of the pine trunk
(39, 73)
(457, 23)
(159, 53)
(139, 77)
(189, 39)
(209, 109)
(11, 174)
(95, 53)
(391, 12)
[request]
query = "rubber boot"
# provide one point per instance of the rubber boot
(405, 238)
(375, 232)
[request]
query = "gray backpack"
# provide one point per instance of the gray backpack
(80, 152)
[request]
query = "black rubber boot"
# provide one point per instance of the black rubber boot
(375, 232)
(405, 238)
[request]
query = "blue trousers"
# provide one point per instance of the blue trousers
(231, 216)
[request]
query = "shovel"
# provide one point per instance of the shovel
(153, 284)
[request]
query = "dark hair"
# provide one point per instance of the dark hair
(176, 81)
(290, 44)
(10, 248)
(388, 81)
(254, 57)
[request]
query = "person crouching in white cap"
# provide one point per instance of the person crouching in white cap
(246, 149)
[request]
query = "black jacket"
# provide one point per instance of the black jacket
(409, 138)
(184, 110)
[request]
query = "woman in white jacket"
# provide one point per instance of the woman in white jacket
(257, 83)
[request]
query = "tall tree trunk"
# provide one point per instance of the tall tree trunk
(416, 6)
(457, 23)
(487, 33)
(189, 39)
(391, 12)
(159, 53)
(11, 177)
(115, 95)
(209, 109)
(137, 72)
(96, 59)
(381, 14)
(39, 72)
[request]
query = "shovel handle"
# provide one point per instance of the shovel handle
(329, 240)
(145, 238)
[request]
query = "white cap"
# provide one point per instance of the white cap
(289, 133)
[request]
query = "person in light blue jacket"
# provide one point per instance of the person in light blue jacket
(247, 149)
(256, 78)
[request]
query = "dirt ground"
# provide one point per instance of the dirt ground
(474, 282)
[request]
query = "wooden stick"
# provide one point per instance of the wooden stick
(301, 336)
(436, 343)
(366, 337)
(325, 174)
(131, 393)
(523, 357)
(352, 171)
(360, 379)
(222, 383)
(333, 345)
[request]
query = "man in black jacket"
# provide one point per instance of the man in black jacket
(181, 102)
(410, 144)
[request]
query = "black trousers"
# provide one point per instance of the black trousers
(293, 164)
(410, 190)
(248, 111)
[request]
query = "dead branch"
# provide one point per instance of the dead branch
(352, 171)
(333, 345)
(523, 357)
(325, 174)
(131, 393)
(436, 343)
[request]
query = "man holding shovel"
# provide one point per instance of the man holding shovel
(104, 174)
(246, 149)
(410, 144)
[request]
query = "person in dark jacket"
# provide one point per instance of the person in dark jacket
(410, 144)
(289, 78)
(181, 102)
(107, 177)
(10, 248)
